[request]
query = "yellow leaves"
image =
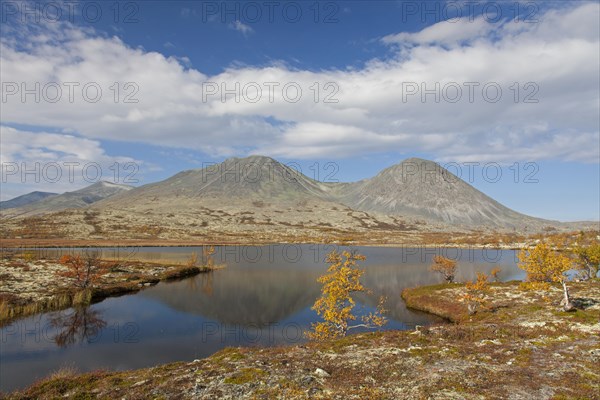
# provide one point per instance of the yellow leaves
(377, 319)
(475, 295)
(542, 264)
(335, 305)
(534, 286)
(588, 260)
(480, 284)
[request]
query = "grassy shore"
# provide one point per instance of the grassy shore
(521, 347)
(32, 286)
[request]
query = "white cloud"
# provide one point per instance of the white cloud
(444, 33)
(55, 162)
(241, 27)
(559, 55)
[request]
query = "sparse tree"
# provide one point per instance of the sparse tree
(588, 260)
(444, 266)
(336, 304)
(544, 266)
(83, 271)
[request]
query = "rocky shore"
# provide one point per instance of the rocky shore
(520, 347)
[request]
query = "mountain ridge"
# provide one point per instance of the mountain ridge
(25, 199)
(80, 198)
(414, 188)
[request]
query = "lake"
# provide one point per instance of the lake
(261, 298)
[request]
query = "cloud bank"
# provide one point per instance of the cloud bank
(436, 92)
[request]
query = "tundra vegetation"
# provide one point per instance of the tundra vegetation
(475, 293)
(518, 344)
(500, 339)
(31, 284)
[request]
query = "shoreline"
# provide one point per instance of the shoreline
(521, 345)
(129, 277)
(55, 244)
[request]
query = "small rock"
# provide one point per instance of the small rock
(306, 380)
(321, 373)
(139, 383)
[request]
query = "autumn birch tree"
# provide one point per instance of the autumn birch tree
(336, 304)
(544, 266)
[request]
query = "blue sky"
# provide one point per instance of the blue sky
(375, 61)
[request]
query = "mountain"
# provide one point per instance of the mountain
(241, 181)
(424, 189)
(77, 199)
(25, 199)
(415, 188)
(257, 196)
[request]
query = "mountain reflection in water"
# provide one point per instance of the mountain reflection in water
(261, 298)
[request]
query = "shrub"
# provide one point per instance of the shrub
(444, 266)
(475, 295)
(83, 271)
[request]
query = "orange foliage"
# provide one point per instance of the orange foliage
(83, 272)
(444, 266)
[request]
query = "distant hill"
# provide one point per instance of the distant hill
(76, 199)
(424, 189)
(414, 188)
(259, 195)
(254, 181)
(25, 199)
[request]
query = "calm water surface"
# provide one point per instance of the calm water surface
(262, 298)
